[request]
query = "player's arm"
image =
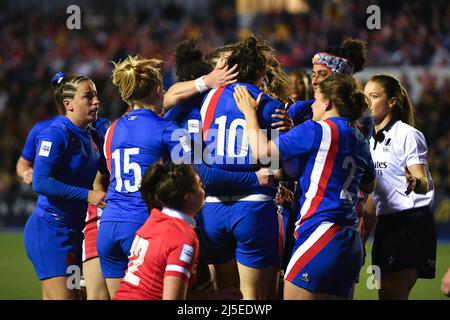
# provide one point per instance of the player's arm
(290, 145)
(24, 169)
(284, 123)
(218, 77)
(257, 138)
(45, 184)
(101, 181)
(368, 187)
(417, 179)
(181, 261)
(445, 283)
(300, 111)
(370, 218)
(24, 165)
(368, 180)
(415, 149)
(50, 150)
(174, 288)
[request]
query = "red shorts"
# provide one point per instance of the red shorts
(91, 232)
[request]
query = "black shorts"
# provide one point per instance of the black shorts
(406, 240)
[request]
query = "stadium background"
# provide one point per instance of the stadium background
(413, 44)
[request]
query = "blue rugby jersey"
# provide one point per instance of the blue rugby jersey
(29, 149)
(187, 116)
(223, 131)
(133, 143)
(337, 159)
(66, 163)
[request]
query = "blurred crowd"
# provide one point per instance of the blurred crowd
(36, 45)
(412, 32)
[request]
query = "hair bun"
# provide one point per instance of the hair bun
(356, 51)
(359, 101)
(186, 52)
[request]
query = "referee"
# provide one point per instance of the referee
(405, 234)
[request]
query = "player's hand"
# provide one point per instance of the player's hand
(245, 101)
(445, 284)
(27, 176)
(411, 181)
(285, 123)
(97, 198)
(266, 176)
(229, 293)
(287, 196)
(221, 75)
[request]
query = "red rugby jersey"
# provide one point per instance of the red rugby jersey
(166, 245)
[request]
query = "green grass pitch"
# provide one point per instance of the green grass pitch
(18, 280)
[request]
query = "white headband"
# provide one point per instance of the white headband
(334, 63)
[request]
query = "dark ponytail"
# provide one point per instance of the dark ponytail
(251, 61)
(354, 50)
(189, 62)
(167, 184)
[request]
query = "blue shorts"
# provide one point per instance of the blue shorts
(326, 258)
(113, 244)
(52, 247)
(247, 231)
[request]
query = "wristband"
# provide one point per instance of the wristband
(200, 84)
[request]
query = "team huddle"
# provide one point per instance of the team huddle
(230, 185)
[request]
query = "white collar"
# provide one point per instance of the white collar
(178, 214)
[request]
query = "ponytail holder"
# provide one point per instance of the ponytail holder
(57, 78)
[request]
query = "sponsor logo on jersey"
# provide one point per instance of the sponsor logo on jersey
(185, 143)
(46, 146)
(193, 126)
(305, 277)
(187, 253)
(387, 144)
(380, 165)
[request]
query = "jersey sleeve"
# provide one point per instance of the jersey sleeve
(51, 145)
(178, 142)
(29, 149)
(213, 177)
(296, 142)
(300, 111)
(50, 150)
(370, 173)
(267, 108)
(182, 258)
(415, 148)
(366, 125)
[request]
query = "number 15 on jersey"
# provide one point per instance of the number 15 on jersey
(123, 166)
